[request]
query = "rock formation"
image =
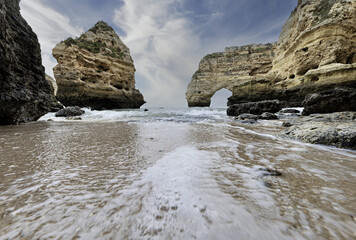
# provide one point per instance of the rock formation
(316, 51)
(256, 108)
(235, 69)
(337, 100)
(24, 91)
(96, 71)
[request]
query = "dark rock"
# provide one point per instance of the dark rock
(70, 112)
(287, 124)
(256, 108)
(268, 116)
(24, 91)
(270, 172)
(247, 116)
(56, 106)
(146, 110)
(337, 100)
(290, 110)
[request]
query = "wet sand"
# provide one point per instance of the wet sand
(171, 180)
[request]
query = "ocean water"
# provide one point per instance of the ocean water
(170, 174)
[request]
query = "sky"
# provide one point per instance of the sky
(167, 38)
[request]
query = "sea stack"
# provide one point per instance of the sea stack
(24, 91)
(96, 71)
(316, 52)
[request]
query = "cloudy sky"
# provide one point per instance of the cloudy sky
(167, 38)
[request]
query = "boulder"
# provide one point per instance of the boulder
(70, 112)
(24, 91)
(337, 100)
(256, 108)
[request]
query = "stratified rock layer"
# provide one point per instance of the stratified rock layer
(235, 69)
(316, 51)
(96, 71)
(24, 91)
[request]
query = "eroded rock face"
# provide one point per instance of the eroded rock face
(337, 100)
(96, 71)
(316, 51)
(235, 69)
(257, 108)
(24, 91)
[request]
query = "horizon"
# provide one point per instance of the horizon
(167, 38)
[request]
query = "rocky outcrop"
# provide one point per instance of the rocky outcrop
(256, 108)
(236, 69)
(337, 100)
(316, 51)
(333, 129)
(24, 91)
(96, 71)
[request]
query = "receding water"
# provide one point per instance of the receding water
(171, 174)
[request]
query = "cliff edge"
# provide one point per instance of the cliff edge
(24, 91)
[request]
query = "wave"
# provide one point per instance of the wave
(153, 114)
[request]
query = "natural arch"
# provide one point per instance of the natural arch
(220, 98)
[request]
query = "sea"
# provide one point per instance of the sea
(171, 173)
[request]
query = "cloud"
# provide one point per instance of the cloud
(167, 38)
(164, 46)
(50, 26)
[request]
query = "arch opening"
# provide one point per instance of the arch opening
(220, 98)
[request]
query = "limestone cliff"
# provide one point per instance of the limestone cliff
(316, 51)
(24, 91)
(96, 71)
(237, 67)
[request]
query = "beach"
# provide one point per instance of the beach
(171, 173)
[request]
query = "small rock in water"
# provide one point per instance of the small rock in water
(270, 172)
(287, 124)
(70, 112)
(247, 116)
(268, 116)
(146, 110)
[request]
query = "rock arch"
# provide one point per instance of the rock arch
(235, 67)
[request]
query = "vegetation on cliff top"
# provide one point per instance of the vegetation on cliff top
(95, 47)
(101, 25)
